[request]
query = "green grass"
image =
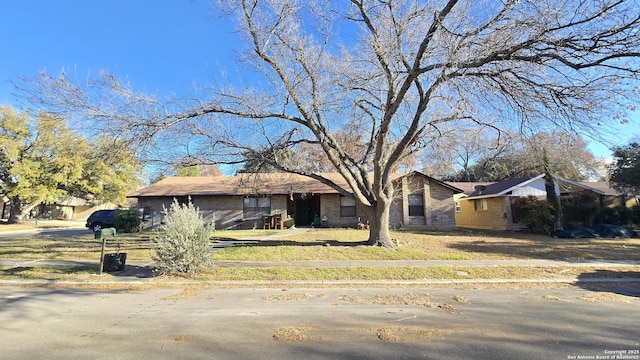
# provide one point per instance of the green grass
(340, 244)
(40, 273)
(330, 244)
(80, 247)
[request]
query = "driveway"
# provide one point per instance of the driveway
(47, 228)
(411, 323)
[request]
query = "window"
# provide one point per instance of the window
(347, 207)
(182, 200)
(416, 205)
(480, 204)
(253, 208)
(458, 208)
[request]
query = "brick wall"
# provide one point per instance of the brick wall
(330, 207)
(439, 207)
(496, 217)
(437, 200)
(225, 210)
(442, 208)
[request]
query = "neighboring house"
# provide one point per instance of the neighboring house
(71, 209)
(494, 206)
(242, 200)
(62, 210)
(467, 187)
(611, 197)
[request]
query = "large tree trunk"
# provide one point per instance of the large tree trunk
(19, 210)
(379, 225)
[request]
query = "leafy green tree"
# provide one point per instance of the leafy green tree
(41, 160)
(158, 177)
(550, 187)
(625, 169)
(581, 209)
(110, 170)
(536, 214)
(128, 221)
(188, 170)
(262, 161)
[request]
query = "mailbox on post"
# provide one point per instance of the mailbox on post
(103, 234)
(109, 262)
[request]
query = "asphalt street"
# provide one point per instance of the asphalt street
(411, 323)
(59, 320)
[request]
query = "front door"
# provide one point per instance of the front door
(306, 209)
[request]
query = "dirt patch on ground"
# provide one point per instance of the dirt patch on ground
(185, 294)
(291, 334)
(605, 296)
(461, 299)
(406, 299)
(405, 334)
(183, 338)
(555, 298)
(287, 297)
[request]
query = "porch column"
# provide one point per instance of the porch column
(426, 201)
(405, 201)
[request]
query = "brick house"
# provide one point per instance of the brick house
(241, 201)
(611, 197)
(492, 206)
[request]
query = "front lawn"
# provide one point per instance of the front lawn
(338, 244)
(334, 244)
(349, 244)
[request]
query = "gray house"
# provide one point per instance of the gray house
(241, 201)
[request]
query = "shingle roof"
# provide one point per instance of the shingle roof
(247, 184)
(500, 186)
(233, 185)
(504, 187)
(602, 186)
(467, 187)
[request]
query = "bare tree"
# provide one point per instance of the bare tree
(481, 158)
(457, 154)
(396, 73)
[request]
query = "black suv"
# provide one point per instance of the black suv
(101, 219)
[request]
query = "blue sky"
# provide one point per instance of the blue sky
(159, 46)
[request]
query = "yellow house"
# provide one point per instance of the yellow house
(493, 206)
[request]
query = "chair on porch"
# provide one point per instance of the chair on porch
(278, 221)
(266, 221)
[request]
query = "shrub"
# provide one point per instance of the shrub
(536, 214)
(619, 215)
(128, 220)
(581, 209)
(634, 215)
(184, 248)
